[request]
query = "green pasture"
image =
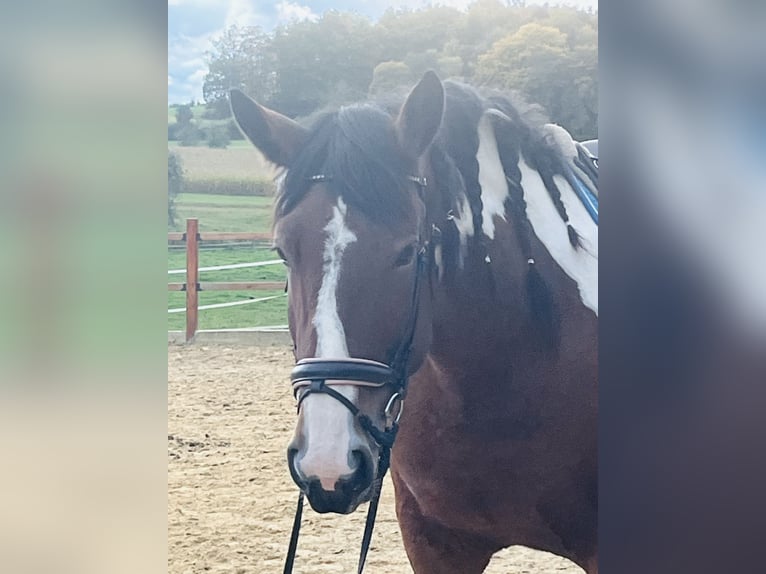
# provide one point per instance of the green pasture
(225, 212)
(228, 213)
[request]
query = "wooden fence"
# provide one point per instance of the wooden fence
(192, 238)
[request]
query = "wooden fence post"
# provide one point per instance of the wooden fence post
(192, 277)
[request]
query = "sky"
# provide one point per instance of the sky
(194, 24)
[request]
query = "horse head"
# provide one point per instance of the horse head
(351, 225)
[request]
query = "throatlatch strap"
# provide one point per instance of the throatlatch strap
(294, 536)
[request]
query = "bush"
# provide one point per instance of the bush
(172, 132)
(189, 135)
(217, 110)
(221, 186)
(184, 115)
(218, 136)
(175, 185)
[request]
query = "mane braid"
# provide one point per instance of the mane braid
(448, 180)
(555, 195)
(460, 140)
(541, 303)
(543, 158)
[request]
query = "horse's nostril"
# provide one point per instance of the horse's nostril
(291, 455)
(362, 466)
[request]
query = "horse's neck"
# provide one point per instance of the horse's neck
(467, 318)
(519, 260)
(484, 307)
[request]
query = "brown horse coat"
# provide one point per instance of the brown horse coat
(497, 445)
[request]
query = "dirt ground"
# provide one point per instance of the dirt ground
(230, 497)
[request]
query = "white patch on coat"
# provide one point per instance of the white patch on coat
(494, 187)
(463, 218)
(581, 264)
(327, 424)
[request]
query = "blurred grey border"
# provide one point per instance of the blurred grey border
(682, 130)
(82, 294)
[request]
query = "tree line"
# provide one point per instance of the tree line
(546, 54)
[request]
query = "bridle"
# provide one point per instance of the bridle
(310, 376)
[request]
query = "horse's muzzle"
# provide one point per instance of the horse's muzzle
(350, 491)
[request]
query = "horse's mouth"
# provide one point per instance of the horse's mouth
(335, 502)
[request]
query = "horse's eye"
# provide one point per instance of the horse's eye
(406, 255)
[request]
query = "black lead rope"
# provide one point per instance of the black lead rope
(294, 536)
(372, 512)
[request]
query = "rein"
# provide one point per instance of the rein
(310, 376)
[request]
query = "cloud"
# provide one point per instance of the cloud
(186, 66)
(243, 13)
(193, 2)
(197, 77)
(289, 11)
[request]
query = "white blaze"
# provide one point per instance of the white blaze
(327, 424)
(331, 337)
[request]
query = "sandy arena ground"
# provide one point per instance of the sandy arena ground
(230, 497)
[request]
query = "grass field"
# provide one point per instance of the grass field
(225, 212)
(273, 312)
(228, 213)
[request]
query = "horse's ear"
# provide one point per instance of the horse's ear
(421, 115)
(277, 137)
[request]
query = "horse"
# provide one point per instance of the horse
(443, 290)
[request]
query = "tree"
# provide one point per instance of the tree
(327, 62)
(485, 22)
(242, 58)
(175, 183)
(406, 32)
(184, 116)
(421, 62)
(450, 66)
(547, 53)
(388, 76)
(537, 61)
